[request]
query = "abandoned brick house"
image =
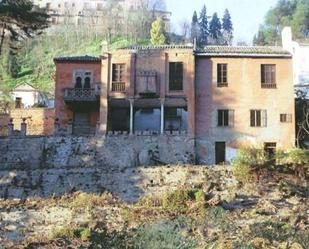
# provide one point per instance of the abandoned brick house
(222, 97)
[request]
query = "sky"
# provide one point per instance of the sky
(247, 15)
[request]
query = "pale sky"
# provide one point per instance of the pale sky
(247, 15)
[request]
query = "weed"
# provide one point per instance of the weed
(273, 231)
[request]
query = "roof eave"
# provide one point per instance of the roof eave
(252, 55)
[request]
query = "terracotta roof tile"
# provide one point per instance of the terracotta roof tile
(84, 58)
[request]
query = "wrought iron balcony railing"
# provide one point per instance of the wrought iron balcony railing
(79, 94)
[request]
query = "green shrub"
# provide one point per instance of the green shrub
(251, 156)
(179, 199)
(242, 172)
(199, 195)
(64, 232)
(273, 231)
(83, 233)
(162, 234)
(176, 200)
(298, 156)
(248, 160)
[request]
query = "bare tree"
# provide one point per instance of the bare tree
(302, 117)
(185, 27)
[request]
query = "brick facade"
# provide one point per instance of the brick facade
(136, 96)
(40, 121)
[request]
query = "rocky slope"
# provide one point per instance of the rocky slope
(216, 212)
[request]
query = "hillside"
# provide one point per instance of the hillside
(35, 59)
(219, 212)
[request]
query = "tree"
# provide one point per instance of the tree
(215, 29)
(185, 29)
(195, 28)
(203, 24)
(302, 117)
(157, 32)
(227, 28)
(19, 20)
(294, 13)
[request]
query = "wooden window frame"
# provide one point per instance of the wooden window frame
(258, 118)
(176, 78)
(222, 75)
(268, 76)
(286, 118)
(118, 77)
(225, 118)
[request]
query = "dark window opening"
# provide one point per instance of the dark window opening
(270, 149)
(222, 74)
(286, 118)
(175, 76)
(78, 83)
(18, 103)
(223, 117)
(175, 119)
(268, 76)
(87, 83)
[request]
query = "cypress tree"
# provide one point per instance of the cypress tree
(227, 28)
(215, 29)
(203, 24)
(195, 27)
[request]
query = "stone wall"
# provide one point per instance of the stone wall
(55, 165)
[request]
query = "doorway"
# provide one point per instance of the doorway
(81, 125)
(220, 152)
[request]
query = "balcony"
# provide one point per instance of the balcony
(118, 87)
(81, 95)
(269, 85)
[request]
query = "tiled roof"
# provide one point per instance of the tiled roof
(84, 58)
(243, 51)
(149, 47)
(246, 51)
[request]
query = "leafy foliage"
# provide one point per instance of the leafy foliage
(157, 32)
(294, 13)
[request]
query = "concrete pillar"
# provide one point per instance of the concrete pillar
(10, 127)
(131, 115)
(162, 117)
(70, 128)
(56, 127)
(97, 131)
(23, 128)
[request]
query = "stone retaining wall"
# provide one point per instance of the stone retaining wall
(45, 166)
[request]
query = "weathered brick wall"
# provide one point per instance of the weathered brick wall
(43, 166)
(40, 121)
(4, 120)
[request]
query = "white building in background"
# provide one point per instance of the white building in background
(27, 96)
(300, 54)
(89, 11)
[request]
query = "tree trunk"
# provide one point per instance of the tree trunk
(2, 38)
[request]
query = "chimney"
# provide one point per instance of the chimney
(287, 39)
(104, 47)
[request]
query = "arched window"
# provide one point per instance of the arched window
(78, 82)
(87, 83)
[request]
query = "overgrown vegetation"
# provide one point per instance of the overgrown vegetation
(251, 161)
